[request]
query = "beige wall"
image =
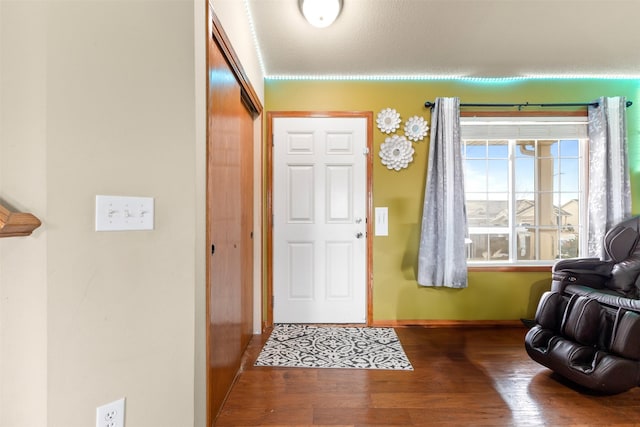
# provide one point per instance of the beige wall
(105, 97)
(99, 98)
(23, 186)
(201, 252)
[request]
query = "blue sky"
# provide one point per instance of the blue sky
(486, 170)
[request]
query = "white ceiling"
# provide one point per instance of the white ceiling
(453, 38)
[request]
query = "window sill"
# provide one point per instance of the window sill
(510, 268)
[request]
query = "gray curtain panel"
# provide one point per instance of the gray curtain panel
(442, 257)
(609, 197)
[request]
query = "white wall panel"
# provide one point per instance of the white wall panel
(339, 143)
(300, 195)
(301, 259)
(339, 193)
(300, 143)
(339, 277)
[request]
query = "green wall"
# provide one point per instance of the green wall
(491, 295)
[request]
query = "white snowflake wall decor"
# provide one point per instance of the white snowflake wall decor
(416, 128)
(388, 120)
(396, 152)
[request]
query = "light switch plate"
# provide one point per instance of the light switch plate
(382, 221)
(116, 213)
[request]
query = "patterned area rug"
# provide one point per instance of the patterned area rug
(308, 346)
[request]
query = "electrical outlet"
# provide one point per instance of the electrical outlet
(111, 414)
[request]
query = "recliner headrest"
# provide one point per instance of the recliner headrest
(620, 241)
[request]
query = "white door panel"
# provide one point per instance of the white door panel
(319, 207)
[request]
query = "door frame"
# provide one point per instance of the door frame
(271, 115)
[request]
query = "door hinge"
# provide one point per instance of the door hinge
(365, 151)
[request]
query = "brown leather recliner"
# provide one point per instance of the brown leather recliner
(587, 328)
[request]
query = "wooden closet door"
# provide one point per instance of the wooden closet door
(229, 224)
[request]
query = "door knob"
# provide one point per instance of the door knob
(359, 235)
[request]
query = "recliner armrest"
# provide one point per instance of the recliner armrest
(585, 265)
(591, 272)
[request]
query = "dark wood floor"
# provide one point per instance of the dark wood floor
(461, 377)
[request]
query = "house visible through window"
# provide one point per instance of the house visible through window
(525, 188)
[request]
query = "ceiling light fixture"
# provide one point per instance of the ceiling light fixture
(320, 13)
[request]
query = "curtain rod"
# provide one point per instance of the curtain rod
(430, 104)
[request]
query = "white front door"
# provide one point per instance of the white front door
(319, 223)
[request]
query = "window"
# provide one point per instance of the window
(525, 188)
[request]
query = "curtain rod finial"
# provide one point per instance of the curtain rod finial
(429, 104)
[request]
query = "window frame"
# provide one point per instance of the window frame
(534, 265)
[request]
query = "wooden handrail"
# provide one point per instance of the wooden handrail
(14, 224)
